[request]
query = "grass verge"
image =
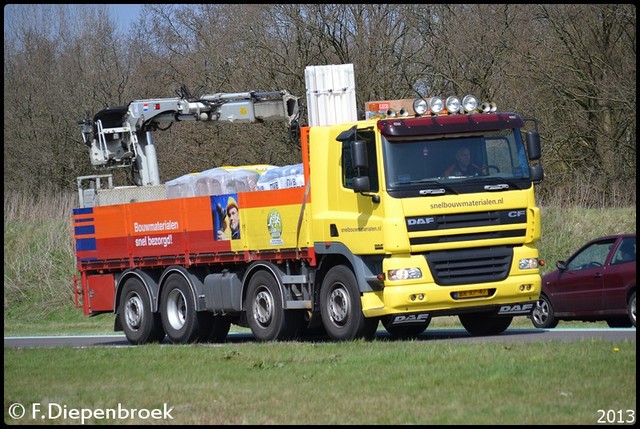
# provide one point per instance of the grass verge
(379, 382)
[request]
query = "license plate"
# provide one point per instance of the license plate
(477, 293)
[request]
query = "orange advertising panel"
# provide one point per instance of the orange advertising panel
(263, 220)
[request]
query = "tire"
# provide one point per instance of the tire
(140, 325)
(265, 310)
(543, 316)
(404, 331)
(631, 309)
(182, 323)
(341, 308)
(482, 324)
(219, 329)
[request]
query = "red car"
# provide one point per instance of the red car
(598, 282)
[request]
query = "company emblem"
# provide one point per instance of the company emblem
(274, 225)
(420, 221)
(410, 319)
(516, 309)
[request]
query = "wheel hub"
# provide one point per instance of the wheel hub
(339, 305)
(176, 309)
(263, 307)
(134, 312)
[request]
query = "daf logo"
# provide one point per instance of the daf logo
(516, 213)
(510, 309)
(411, 319)
(420, 221)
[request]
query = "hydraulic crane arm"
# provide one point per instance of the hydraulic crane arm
(121, 136)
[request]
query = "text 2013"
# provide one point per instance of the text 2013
(616, 416)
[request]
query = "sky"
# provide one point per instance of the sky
(125, 14)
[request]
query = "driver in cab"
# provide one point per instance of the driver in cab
(463, 165)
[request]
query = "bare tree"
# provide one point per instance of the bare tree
(586, 64)
(570, 66)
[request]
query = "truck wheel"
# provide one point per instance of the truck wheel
(404, 331)
(341, 308)
(542, 316)
(480, 324)
(219, 329)
(182, 323)
(265, 311)
(140, 325)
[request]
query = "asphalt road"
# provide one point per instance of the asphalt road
(510, 335)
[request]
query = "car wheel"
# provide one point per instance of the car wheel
(631, 309)
(542, 315)
(618, 322)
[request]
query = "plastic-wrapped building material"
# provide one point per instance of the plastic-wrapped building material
(245, 180)
(289, 176)
(183, 186)
(215, 181)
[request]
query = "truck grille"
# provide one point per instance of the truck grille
(473, 264)
(477, 265)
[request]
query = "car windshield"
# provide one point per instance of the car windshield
(498, 154)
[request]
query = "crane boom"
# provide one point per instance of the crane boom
(120, 136)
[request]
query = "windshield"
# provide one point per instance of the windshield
(448, 160)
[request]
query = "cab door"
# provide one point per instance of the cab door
(357, 216)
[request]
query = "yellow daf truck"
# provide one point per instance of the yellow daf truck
(422, 208)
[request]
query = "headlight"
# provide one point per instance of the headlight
(528, 264)
(404, 274)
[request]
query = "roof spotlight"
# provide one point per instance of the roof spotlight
(420, 106)
(469, 103)
(453, 104)
(436, 105)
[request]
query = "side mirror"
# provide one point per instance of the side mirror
(359, 158)
(536, 173)
(361, 184)
(561, 265)
(534, 149)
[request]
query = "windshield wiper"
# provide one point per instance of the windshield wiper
(500, 184)
(438, 189)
